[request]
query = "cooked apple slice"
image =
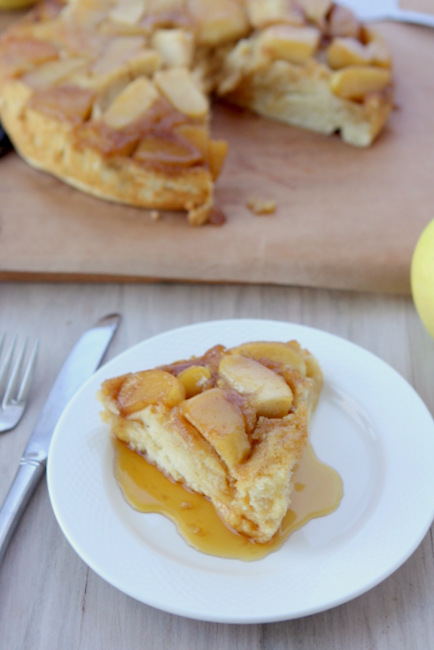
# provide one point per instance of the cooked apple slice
(22, 54)
(221, 422)
(141, 389)
(118, 52)
(288, 43)
(317, 10)
(145, 62)
(343, 22)
(131, 103)
(195, 379)
(180, 88)
(53, 72)
(128, 13)
(267, 391)
(345, 51)
(275, 351)
(213, 152)
(263, 13)
(217, 152)
(63, 103)
(357, 81)
(160, 150)
(218, 21)
(349, 51)
(175, 46)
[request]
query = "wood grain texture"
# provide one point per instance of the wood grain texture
(49, 599)
(346, 218)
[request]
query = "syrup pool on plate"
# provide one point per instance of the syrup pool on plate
(317, 492)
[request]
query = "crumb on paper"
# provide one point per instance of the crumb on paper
(155, 215)
(261, 206)
(217, 217)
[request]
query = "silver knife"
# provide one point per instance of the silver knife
(83, 360)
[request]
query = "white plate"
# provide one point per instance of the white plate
(370, 425)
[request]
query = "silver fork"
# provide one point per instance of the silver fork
(15, 380)
(377, 10)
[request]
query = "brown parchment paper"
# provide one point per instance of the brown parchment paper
(346, 218)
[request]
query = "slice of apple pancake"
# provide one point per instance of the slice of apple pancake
(231, 425)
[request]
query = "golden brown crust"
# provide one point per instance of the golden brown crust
(49, 144)
(231, 425)
(81, 82)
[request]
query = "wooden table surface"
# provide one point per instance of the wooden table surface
(51, 600)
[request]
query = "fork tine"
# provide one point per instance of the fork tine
(12, 385)
(28, 373)
(4, 368)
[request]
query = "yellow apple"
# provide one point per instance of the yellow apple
(15, 4)
(422, 277)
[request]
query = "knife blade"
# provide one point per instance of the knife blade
(81, 363)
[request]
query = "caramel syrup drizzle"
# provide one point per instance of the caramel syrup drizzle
(317, 492)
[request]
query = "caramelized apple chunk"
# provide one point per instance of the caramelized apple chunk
(218, 21)
(53, 72)
(267, 391)
(128, 13)
(317, 10)
(347, 51)
(119, 51)
(63, 103)
(288, 43)
(163, 150)
(217, 152)
(175, 46)
(142, 389)
(268, 12)
(133, 102)
(195, 379)
(379, 52)
(180, 88)
(145, 62)
(287, 354)
(221, 422)
(22, 54)
(343, 22)
(355, 82)
(213, 152)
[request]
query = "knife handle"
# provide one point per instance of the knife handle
(27, 477)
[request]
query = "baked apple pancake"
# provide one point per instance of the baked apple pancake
(231, 425)
(114, 96)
